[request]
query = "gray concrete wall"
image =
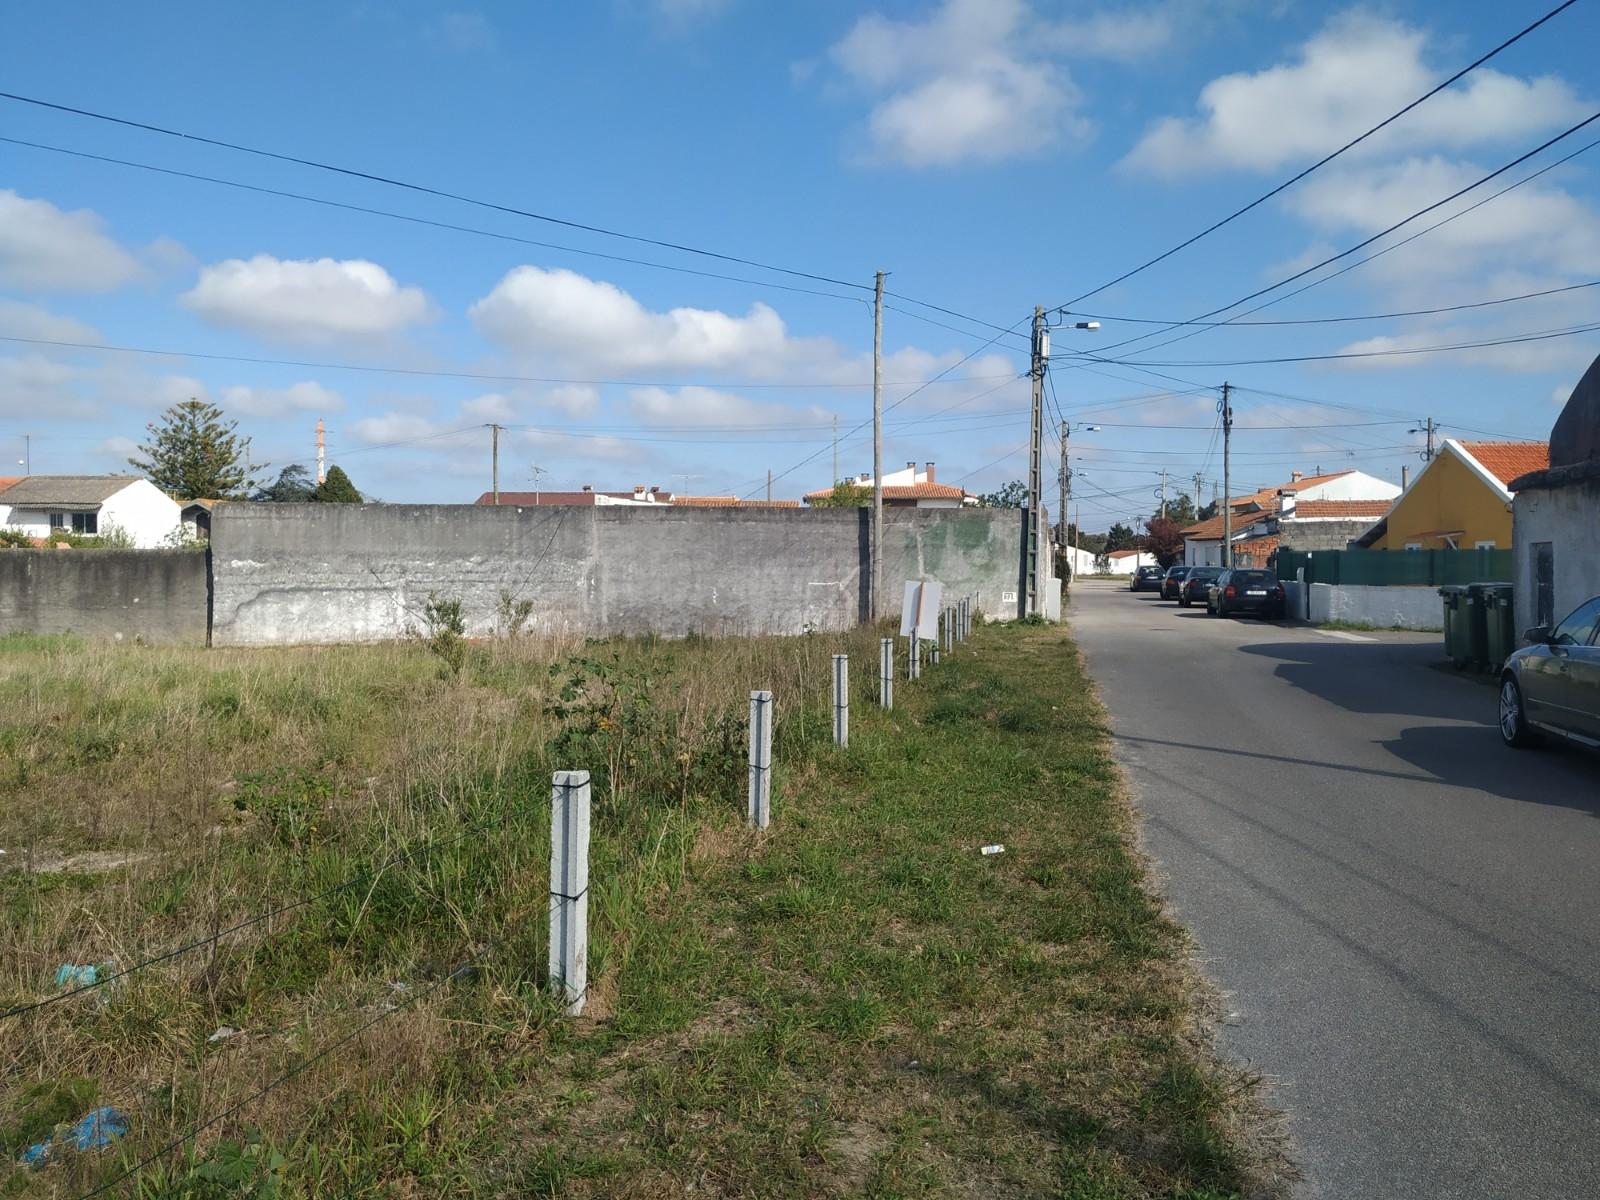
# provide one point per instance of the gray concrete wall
(1567, 517)
(1321, 534)
(338, 573)
(123, 595)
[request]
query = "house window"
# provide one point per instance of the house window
(1413, 545)
(84, 523)
(1489, 545)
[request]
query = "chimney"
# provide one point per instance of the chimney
(912, 467)
(1286, 499)
(1405, 477)
(1297, 476)
(930, 474)
(588, 487)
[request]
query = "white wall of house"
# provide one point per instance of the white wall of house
(1357, 485)
(1130, 563)
(1202, 552)
(145, 511)
(1565, 518)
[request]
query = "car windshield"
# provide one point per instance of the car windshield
(1205, 573)
(1251, 579)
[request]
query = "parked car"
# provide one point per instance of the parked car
(1552, 686)
(1145, 579)
(1195, 583)
(1246, 589)
(1171, 580)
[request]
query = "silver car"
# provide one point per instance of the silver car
(1553, 685)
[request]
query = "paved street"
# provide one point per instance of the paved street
(1404, 916)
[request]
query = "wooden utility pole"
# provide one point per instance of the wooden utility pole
(876, 588)
(494, 460)
(1041, 356)
(1227, 479)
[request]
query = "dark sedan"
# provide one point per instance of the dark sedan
(1194, 587)
(1171, 581)
(1245, 590)
(1145, 579)
(1553, 685)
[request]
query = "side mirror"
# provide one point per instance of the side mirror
(1539, 635)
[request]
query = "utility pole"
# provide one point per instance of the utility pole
(1064, 478)
(535, 473)
(27, 454)
(1198, 480)
(494, 459)
(769, 485)
(1227, 478)
(877, 450)
(835, 478)
(1163, 493)
(1427, 455)
(1041, 356)
(322, 453)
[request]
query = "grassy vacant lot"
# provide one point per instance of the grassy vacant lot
(855, 1003)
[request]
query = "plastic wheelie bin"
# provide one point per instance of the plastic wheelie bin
(1500, 626)
(1456, 648)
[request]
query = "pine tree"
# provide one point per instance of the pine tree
(337, 489)
(293, 486)
(194, 454)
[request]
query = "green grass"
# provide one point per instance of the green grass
(854, 1003)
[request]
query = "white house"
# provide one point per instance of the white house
(1256, 523)
(910, 488)
(1555, 532)
(1126, 562)
(91, 505)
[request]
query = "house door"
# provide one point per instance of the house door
(1544, 584)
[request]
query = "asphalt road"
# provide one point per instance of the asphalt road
(1403, 915)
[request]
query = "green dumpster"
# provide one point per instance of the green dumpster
(1476, 611)
(1456, 648)
(1500, 636)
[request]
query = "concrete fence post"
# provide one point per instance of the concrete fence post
(886, 673)
(950, 629)
(760, 759)
(569, 887)
(933, 651)
(841, 700)
(914, 662)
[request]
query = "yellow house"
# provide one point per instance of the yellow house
(1460, 500)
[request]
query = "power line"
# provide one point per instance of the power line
(743, 385)
(1543, 335)
(1405, 241)
(1415, 312)
(1389, 120)
(1333, 258)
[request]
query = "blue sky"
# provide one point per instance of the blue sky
(990, 155)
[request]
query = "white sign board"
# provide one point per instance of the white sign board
(919, 609)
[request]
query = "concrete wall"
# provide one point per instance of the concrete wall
(149, 595)
(336, 573)
(1321, 533)
(1568, 518)
(1386, 607)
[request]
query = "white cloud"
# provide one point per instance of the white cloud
(304, 300)
(45, 249)
(30, 321)
(398, 427)
(1124, 36)
(1553, 354)
(713, 407)
(1561, 394)
(571, 400)
(306, 397)
(589, 322)
(1356, 71)
(966, 84)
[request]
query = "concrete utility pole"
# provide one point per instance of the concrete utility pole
(1163, 494)
(876, 587)
(1227, 478)
(835, 478)
(1041, 356)
(27, 453)
(535, 473)
(1064, 479)
(322, 453)
(1198, 480)
(769, 485)
(494, 460)
(1427, 455)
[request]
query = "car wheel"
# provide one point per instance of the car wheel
(1514, 729)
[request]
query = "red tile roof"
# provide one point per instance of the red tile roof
(1342, 508)
(1123, 553)
(1211, 530)
(729, 502)
(7, 480)
(912, 491)
(541, 499)
(1507, 460)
